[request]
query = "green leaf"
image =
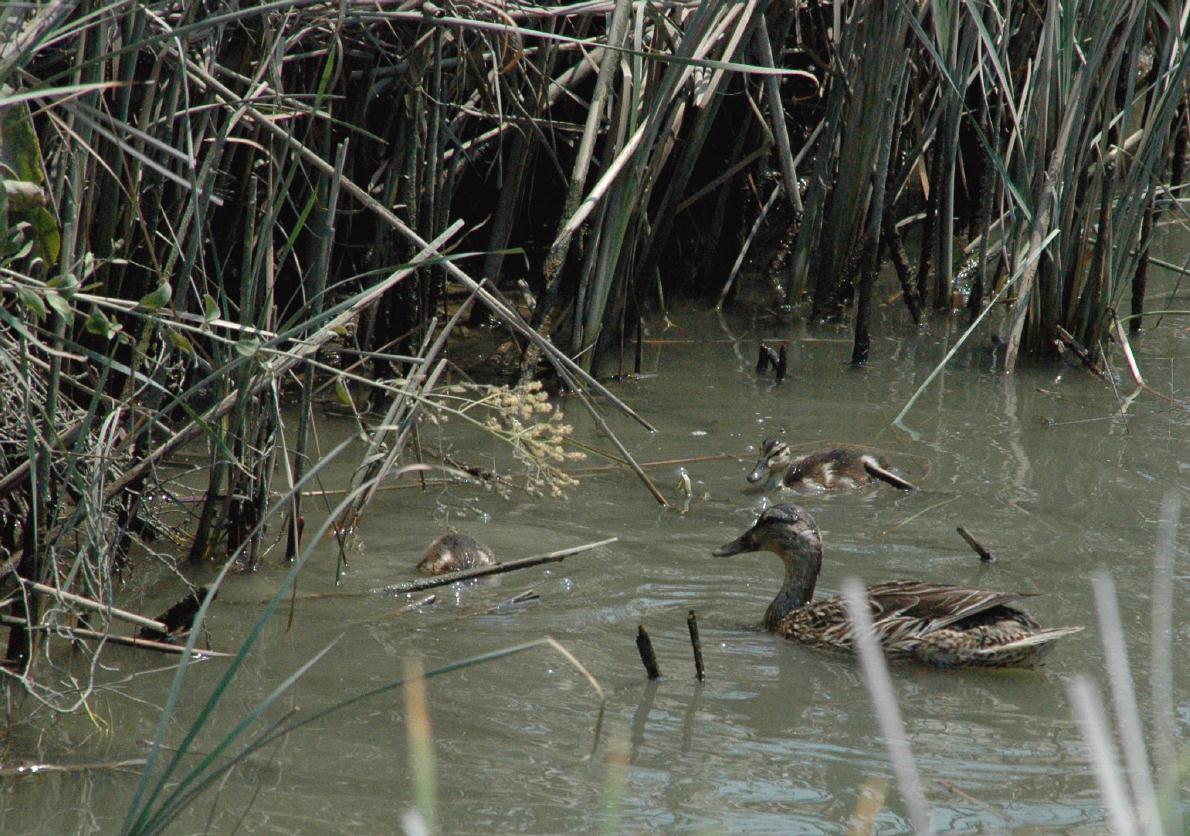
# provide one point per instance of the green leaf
(98, 324)
(248, 347)
(341, 391)
(210, 308)
(20, 155)
(67, 286)
(19, 150)
(60, 305)
(180, 341)
(158, 299)
(32, 302)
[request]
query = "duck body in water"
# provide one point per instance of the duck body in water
(837, 468)
(453, 552)
(948, 626)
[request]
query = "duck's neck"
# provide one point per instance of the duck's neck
(801, 575)
(776, 479)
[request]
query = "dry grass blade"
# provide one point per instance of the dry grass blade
(420, 737)
(879, 684)
(1123, 692)
(1088, 710)
(1161, 666)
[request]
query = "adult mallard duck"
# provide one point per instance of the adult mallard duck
(839, 468)
(950, 626)
(452, 552)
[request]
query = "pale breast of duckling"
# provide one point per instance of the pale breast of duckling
(453, 552)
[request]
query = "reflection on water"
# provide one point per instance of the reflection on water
(780, 738)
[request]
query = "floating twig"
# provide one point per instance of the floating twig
(696, 644)
(520, 598)
(984, 555)
(647, 656)
(28, 769)
(913, 517)
(499, 568)
(970, 799)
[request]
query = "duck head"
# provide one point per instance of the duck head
(792, 534)
(786, 530)
(775, 458)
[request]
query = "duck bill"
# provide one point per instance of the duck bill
(761, 471)
(741, 544)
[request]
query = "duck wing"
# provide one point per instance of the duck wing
(937, 606)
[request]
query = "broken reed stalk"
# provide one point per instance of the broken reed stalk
(130, 641)
(984, 555)
(696, 644)
(1079, 351)
(772, 90)
(644, 646)
(87, 603)
(498, 569)
(1122, 338)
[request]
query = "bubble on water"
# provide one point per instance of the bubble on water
(566, 584)
(699, 432)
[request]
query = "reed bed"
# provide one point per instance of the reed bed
(208, 210)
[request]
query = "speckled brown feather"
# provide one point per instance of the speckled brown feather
(950, 626)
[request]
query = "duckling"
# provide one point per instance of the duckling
(948, 626)
(839, 468)
(452, 552)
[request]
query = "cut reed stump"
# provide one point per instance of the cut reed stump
(696, 644)
(984, 555)
(645, 646)
(778, 360)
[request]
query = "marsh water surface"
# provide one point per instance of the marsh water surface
(1045, 467)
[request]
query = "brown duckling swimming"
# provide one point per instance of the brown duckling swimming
(839, 468)
(950, 626)
(452, 552)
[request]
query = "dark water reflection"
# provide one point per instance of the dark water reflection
(780, 738)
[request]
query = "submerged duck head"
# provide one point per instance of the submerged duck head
(775, 458)
(453, 552)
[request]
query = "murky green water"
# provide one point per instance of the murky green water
(1043, 467)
